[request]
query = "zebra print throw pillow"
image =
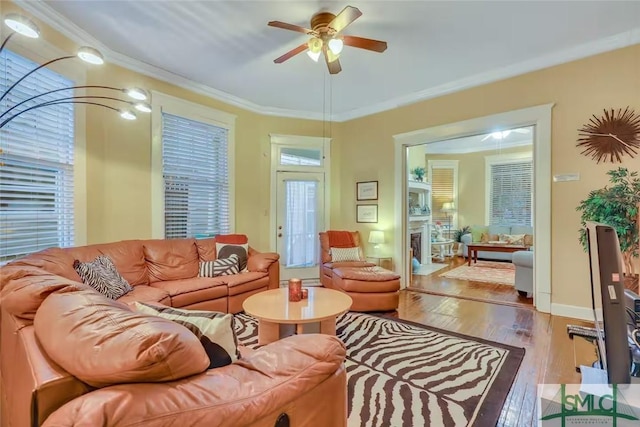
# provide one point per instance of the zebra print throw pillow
(220, 267)
(216, 331)
(101, 275)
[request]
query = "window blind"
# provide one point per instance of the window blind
(36, 163)
(511, 193)
(196, 177)
(442, 192)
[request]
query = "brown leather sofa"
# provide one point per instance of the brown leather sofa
(292, 376)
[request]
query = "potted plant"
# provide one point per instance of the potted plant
(457, 236)
(418, 173)
(616, 206)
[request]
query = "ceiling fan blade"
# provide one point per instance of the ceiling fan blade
(344, 18)
(297, 28)
(334, 66)
(362, 43)
(485, 138)
(291, 53)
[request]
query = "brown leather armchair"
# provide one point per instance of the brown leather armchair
(326, 265)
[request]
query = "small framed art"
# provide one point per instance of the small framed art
(366, 213)
(367, 190)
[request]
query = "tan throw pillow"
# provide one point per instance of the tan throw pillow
(345, 254)
(528, 239)
(512, 239)
(102, 342)
(215, 330)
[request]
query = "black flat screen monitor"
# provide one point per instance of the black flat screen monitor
(607, 292)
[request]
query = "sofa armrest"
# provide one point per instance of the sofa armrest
(466, 238)
(33, 386)
(261, 261)
(271, 380)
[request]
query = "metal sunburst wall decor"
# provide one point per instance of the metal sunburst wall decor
(611, 136)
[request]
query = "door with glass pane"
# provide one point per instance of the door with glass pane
(299, 218)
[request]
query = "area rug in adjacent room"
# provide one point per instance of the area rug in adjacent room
(427, 269)
(405, 374)
(503, 273)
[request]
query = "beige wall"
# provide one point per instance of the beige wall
(119, 154)
(471, 182)
(578, 89)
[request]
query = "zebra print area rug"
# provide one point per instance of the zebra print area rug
(405, 374)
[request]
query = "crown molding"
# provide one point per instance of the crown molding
(45, 13)
(616, 41)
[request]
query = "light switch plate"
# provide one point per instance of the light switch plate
(566, 177)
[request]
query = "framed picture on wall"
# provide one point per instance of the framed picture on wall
(367, 190)
(367, 213)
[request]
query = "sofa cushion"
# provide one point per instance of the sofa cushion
(112, 344)
(261, 261)
(241, 283)
(521, 229)
(477, 231)
(172, 259)
(225, 250)
(220, 267)
(146, 293)
(234, 239)
(499, 229)
(53, 260)
(215, 330)
(191, 291)
(102, 276)
(24, 288)
(128, 257)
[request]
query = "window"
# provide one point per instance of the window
(192, 169)
(509, 189)
(443, 176)
(37, 164)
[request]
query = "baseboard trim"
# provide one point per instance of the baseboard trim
(573, 311)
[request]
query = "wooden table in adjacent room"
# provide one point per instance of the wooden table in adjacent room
(474, 248)
(278, 317)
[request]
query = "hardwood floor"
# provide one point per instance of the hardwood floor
(476, 291)
(549, 354)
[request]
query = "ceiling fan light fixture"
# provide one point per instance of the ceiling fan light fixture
(22, 25)
(315, 48)
(336, 45)
(313, 55)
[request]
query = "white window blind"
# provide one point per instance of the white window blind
(36, 163)
(442, 189)
(511, 193)
(195, 168)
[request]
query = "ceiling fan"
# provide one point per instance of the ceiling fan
(503, 134)
(326, 38)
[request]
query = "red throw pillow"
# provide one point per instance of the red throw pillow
(232, 239)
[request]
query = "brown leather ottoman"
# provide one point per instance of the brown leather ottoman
(371, 288)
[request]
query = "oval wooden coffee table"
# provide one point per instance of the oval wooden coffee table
(278, 317)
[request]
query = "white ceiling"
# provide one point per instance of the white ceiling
(225, 48)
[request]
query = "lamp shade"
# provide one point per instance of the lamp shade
(448, 207)
(376, 237)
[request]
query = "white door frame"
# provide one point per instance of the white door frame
(277, 142)
(538, 116)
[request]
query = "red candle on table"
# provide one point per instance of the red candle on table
(295, 290)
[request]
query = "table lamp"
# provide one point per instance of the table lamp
(376, 237)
